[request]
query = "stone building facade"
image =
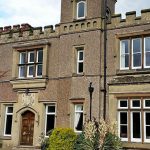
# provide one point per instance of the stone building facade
(45, 75)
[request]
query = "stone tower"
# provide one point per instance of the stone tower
(93, 9)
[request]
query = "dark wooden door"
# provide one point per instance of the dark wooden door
(27, 129)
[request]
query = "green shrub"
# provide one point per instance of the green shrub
(62, 139)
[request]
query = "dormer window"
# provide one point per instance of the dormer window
(81, 10)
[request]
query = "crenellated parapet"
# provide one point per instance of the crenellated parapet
(130, 20)
(26, 32)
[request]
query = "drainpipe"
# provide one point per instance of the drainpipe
(105, 58)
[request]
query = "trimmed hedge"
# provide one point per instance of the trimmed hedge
(62, 139)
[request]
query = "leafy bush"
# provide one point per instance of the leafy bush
(98, 136)
(62, 139)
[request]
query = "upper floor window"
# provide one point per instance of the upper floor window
(135, 53)
(8, 120)
(81, 9)
(80, 60)
(30, 63)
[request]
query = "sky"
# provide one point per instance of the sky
(47, 12)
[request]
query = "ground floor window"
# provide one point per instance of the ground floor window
(8, 120)
(50, 118)
(134, 119)
(78, 119)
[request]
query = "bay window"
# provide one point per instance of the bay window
(133, 117)
(135, 53)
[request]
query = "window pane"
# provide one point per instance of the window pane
(136, 125)
(124, 61)
(123, 103)
(50, 122)
(39, 70)
(81, 9)
(137, 60)
(31, 56)
(22, 71)
(147, 118)
(147, 103)
(51, 109)
(123, 131)
(80, 55)
(40, 56)
(80, 69)
(147, 44)
(22, 58)
(123, 118)
(9, 109)
(78, 121)
(8, 124)
(135, 103)
(31, 70)
(125, 47)
(136, 45)
(79, 108)
(147, 58)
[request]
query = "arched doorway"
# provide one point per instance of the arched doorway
(27, 128)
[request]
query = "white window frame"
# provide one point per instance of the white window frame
(121, 101)
(135, 139)
(75, 112)
(145, 66)
(124, 68)
(119, 124)
(145, 105)
(28, 71)
(80, 61)
(29, 53)
(137, 53)
(85, 7)
(6, 114)
(132, 103)
(49, 113)
(145, 140)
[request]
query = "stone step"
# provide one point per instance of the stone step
(25, 148)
